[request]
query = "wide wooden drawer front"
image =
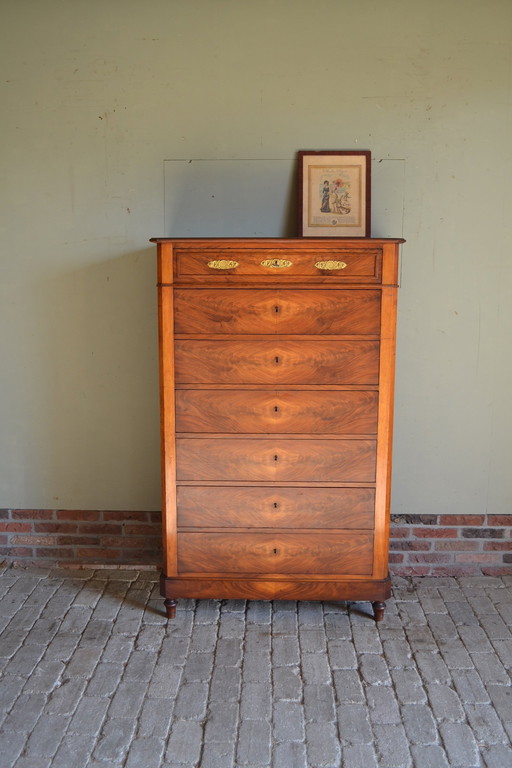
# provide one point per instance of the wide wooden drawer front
(217, 507)
(283, 553)
(278, 263)
(276, 362)
(243, 311)
(254, 411)
(275, 460)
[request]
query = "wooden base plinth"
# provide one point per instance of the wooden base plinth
(375, 592)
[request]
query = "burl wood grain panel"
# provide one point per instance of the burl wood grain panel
(260, 507)
(220, 310)
(328, 312)
(276, 362)
(245, 311)
(275, 460)
(279, 553)
(254, 411)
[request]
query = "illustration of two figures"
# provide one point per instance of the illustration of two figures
(335, 197)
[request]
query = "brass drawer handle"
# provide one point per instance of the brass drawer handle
(277, 263)
(330, 265)
(223, 264)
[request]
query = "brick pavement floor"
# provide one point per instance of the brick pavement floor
(94, 675)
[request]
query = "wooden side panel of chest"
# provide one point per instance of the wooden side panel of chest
(277, 389)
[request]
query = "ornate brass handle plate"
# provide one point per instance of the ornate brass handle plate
(277, 263)
(222, 264)
(330, 265)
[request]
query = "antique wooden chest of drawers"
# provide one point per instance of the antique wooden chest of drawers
(276, 371)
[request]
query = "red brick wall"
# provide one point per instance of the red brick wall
(71, 537)
(450, 545)
(420, 545)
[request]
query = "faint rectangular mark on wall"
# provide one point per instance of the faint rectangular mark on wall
(230, 197)
(255, 197)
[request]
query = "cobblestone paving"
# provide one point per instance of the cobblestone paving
(94, 676)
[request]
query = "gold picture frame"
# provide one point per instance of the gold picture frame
(334, 193)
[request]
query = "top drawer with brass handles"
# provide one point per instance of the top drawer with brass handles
(249, 262)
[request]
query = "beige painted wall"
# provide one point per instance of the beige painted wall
(97, 94)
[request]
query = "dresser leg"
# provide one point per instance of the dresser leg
(378, 610)
(170, 607)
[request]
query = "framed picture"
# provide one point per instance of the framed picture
(334, 193)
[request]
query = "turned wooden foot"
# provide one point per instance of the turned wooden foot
(378, 610)
(170, 607)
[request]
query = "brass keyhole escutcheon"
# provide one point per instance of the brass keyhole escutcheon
(277, 263)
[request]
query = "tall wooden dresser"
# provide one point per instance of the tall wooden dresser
(276, 371)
